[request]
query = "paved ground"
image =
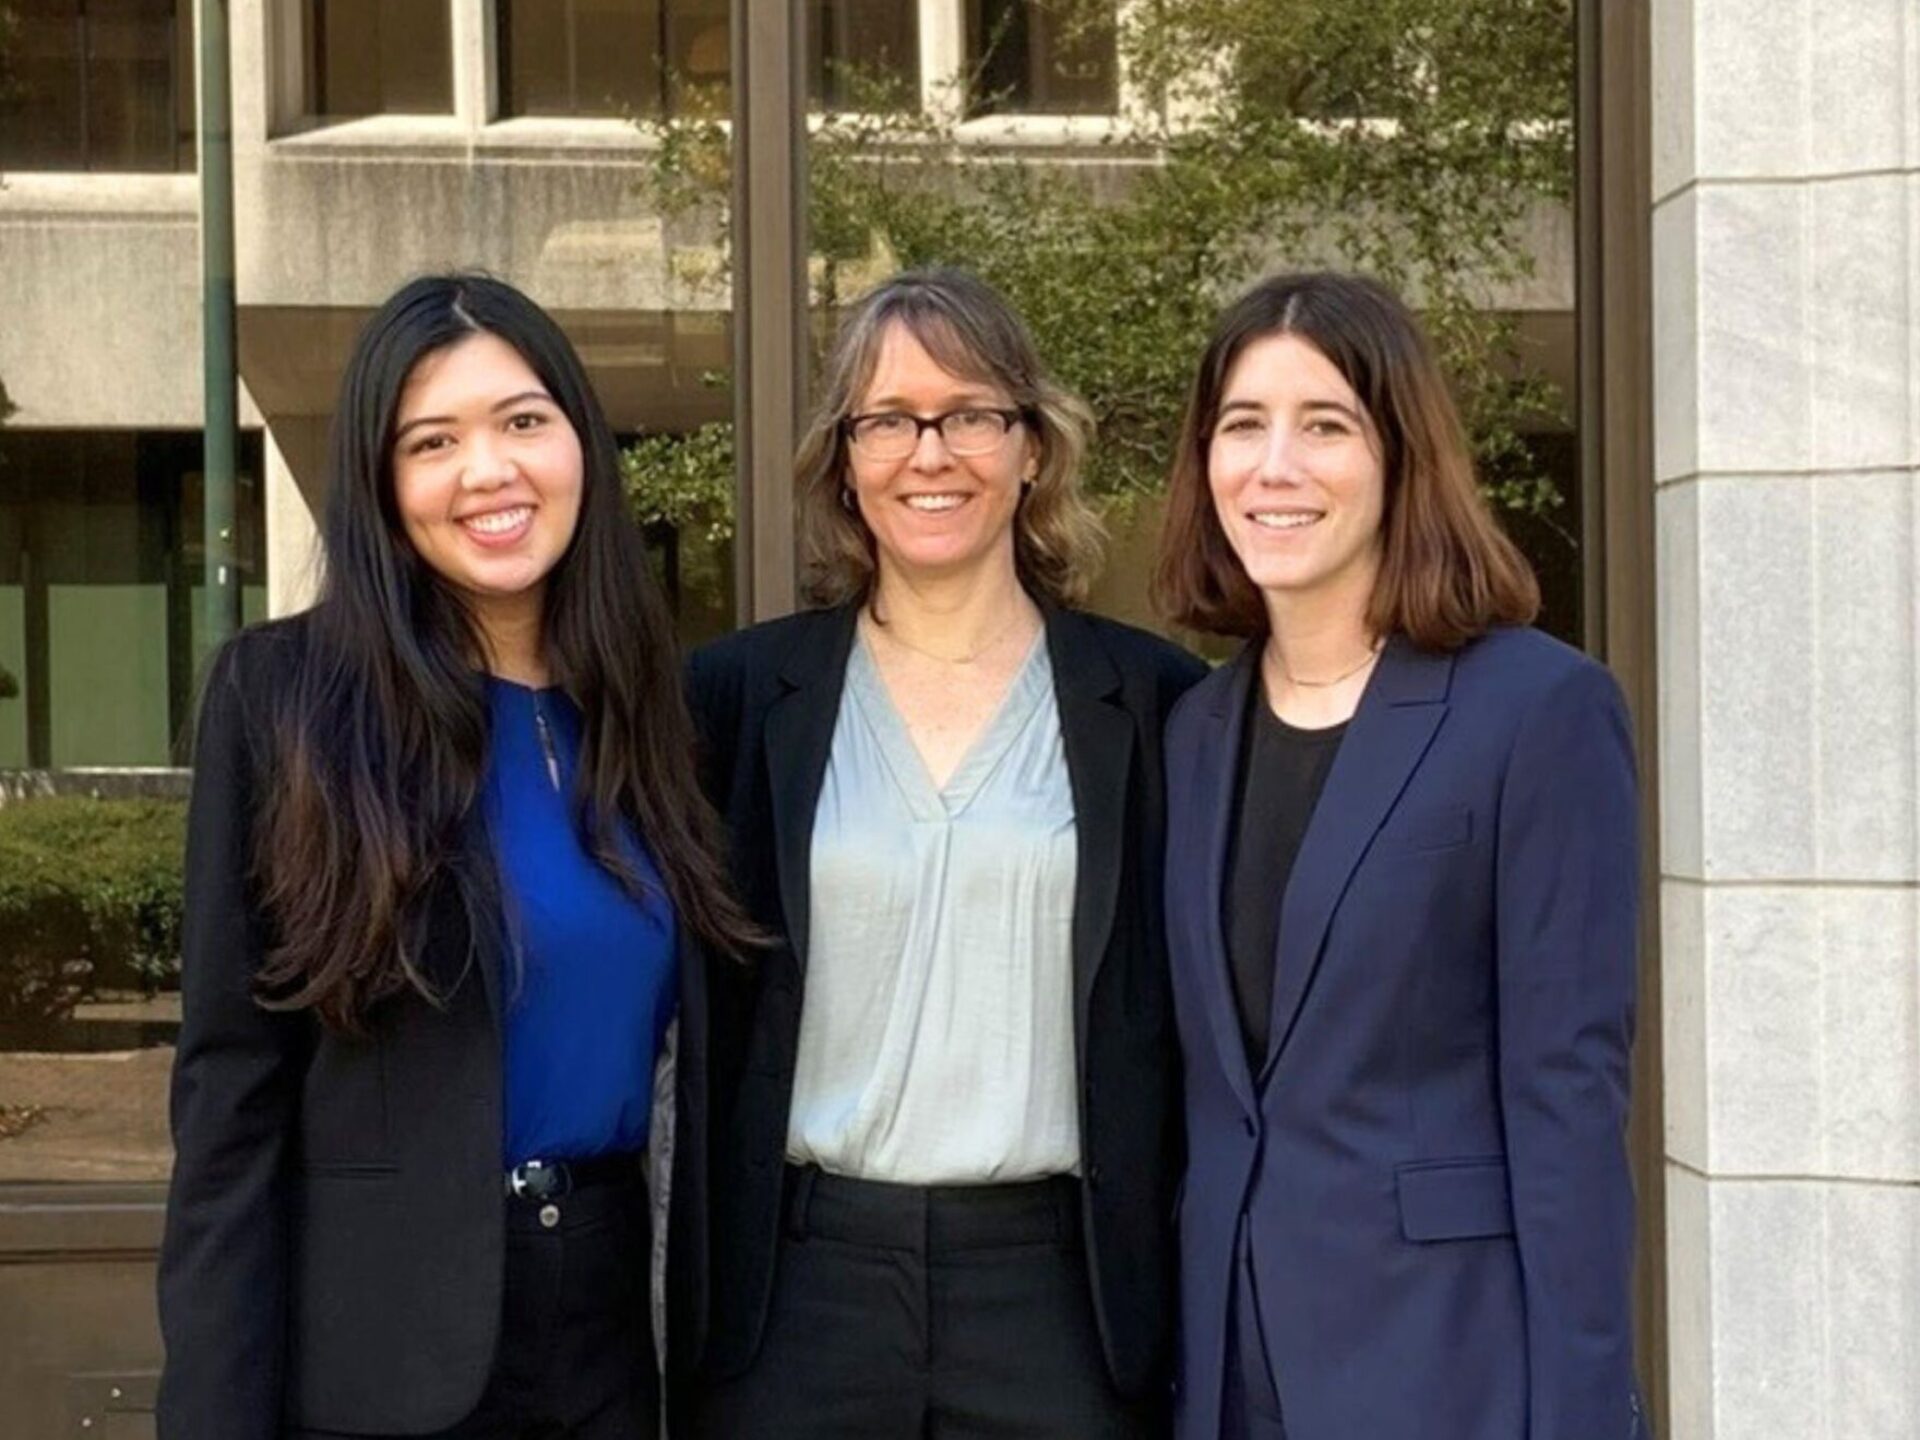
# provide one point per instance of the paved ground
(88, 1116)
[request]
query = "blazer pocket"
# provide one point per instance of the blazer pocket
(1454, 1199)
(1439, 829)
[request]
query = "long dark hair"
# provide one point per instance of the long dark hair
(1448, 572)
(382, 733)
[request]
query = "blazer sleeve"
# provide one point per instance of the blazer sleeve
(236, 1084)
(1567, 924)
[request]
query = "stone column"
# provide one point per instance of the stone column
(1786, 244)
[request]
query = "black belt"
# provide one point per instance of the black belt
(931, 1218)
(550, 1179)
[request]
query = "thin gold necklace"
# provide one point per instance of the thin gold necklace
(1372, 654)
(966, 659)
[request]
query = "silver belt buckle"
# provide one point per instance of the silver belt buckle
(538, 1180)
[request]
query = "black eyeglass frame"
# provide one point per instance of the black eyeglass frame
(1011, 415)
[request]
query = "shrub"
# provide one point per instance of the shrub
(90, 896)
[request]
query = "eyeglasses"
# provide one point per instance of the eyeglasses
(894, 434)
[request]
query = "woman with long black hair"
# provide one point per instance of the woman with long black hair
(448, 881)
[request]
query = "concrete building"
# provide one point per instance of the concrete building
(1748, 297)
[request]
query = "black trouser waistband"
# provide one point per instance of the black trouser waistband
(931, 1218)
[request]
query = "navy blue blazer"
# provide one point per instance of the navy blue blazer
(1431, 1163)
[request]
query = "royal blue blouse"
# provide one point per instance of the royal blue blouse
(590, 975)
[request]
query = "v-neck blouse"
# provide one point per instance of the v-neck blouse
(936, 1038)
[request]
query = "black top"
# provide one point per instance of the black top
(1282, 770)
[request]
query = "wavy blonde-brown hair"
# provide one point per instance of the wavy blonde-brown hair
(970, 331)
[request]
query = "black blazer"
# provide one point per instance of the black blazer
(765, 701)
(334, 1241)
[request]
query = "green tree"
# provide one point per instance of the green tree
(1409, 138)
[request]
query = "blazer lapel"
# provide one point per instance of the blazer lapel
(1390, 732)
(1218, 774)
(799, 738)
(1097, 735)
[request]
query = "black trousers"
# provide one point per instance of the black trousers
(575, 1359)
(902, 1312)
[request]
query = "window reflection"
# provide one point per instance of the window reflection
(100, 584)
(365, 58)
(1056, 57)
(699, 51)
(862, 54)
(580, 57)
(617, 58)
(101, 640)
(96, 85)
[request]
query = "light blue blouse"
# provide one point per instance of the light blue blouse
(936, 1038)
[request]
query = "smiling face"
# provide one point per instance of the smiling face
(487, 474)
(932, 512)
(1294, 465)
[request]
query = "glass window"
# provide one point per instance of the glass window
(643, 58)
(96, 85)
(100, 566)
(698, 44)
(365, 58)
(580, 57)
(99, 570)
(1050, 57)
(863, 54)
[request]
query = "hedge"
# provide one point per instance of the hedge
(90, 898)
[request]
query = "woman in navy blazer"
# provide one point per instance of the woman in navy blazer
(1401, 911)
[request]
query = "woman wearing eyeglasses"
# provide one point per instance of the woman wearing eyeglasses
(946, 1101)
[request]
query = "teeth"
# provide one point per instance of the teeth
(932, 503)
(1292, 520)
(499, 522)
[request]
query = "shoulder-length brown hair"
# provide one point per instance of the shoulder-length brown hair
(1448, 572)
(971, 331)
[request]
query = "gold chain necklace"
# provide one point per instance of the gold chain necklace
(880, 626)
(1373, 653)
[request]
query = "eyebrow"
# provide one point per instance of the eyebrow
(507, 404)
(964, 400)
(1333, 405)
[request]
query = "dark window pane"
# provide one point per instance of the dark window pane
(40, 92)
(1051, 57)
(699, 53)
(130, 84)
(365, 58)
(105, 85)
(863, 54)
(580, 57)
(41, 88)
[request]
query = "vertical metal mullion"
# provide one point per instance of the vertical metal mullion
(220, 369)
(1614, 317)
(769, 295)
